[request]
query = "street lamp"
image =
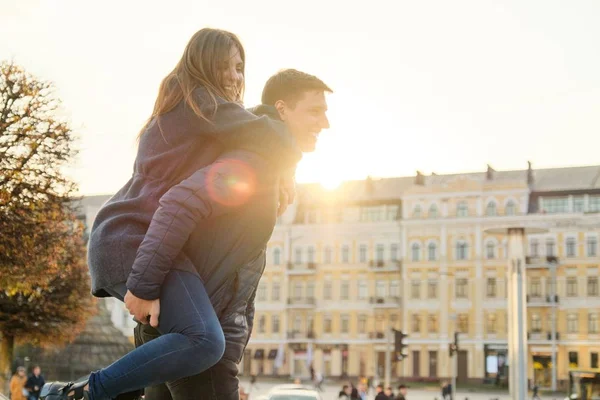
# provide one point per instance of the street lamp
(517, 306)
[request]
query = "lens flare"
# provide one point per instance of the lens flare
(231, 182)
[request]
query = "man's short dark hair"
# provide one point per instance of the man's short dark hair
(401, 387)
(289, 85)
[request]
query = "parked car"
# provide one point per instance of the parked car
(295, 394)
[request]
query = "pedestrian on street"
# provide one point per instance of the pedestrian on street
(401, 392)
(35, 383)
(17, 385)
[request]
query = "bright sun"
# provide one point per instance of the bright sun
(330, 181)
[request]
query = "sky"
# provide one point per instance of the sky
(435, 86)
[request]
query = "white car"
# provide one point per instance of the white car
(295, 394)
(289, 386)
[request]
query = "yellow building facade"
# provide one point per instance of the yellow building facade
(344, 267)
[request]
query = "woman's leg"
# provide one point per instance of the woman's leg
(192, 341)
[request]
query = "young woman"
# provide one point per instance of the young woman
(197, 116)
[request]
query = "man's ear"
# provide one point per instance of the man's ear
(280, 107)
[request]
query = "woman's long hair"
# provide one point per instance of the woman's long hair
(198, 67)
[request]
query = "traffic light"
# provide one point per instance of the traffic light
(399, 345)
(453, 347)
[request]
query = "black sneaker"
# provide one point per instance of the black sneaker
(65, 391)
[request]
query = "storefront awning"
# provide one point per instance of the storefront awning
(272, 354)
(259, 354)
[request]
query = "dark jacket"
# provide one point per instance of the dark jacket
(34, 381)
(381, 396)
(164, 176)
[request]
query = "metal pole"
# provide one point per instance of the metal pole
(522, 348)
(553, 300)
(388, 358)
(454, 373)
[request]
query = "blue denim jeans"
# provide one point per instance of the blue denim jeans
(191, 341)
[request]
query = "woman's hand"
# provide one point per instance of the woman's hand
(287, 191)
(142, 309)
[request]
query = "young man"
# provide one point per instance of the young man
(235, 243)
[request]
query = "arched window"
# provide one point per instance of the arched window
(431, 252)
(491, 210)
(416, 252)
(461, 251)
(490, 250)
(433, 211)
(417, 212)
(511, 208)
(462, 209)
(277, 256)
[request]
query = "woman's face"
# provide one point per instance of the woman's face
(231, 73)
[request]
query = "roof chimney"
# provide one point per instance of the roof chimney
(530, 177)
(420, 179)
(489, 175)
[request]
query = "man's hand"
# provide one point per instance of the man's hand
(287, 191)
(142, 309)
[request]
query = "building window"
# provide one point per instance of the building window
(592, 286)
(327, 255)
(433, 211)
(362, 324)
(261, 324)
(380, 289)
(391, 213)
(277, 256)
(417, 213)
(379, 253)
(345, 254)
(536, 323)
(462, 209)
(310, 290)
(491, 323)
(578, 204)
(261, 292)
(491, 209)
(372, 213)
(416, 323)
(535, 287)
(416, 252)
(511, 208)
(461, 251)
(491, 290)
(275, 324)
(463, 323)
(395, 288)
(327, 290)
(593, 323)
(415, 289)
(555, 205)
(327, 324)
(298, 291)
(345, 324)
(573, 359)
(534, 249)
(275, 291)
(550, 248)
(394, 252)
(572, 286)
(572, 323)
(571, 247)
(594, 360)
(461, 288)
(592, 247)
(594, 204)
(432, 289)
(345, 290)
(431, 252)
(310, 254)
(298, 255)
(362, 253)
(490, 251)
(363, 289)
(432, 325)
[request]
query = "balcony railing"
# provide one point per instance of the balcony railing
(302, 268)
(300, 335)
(376, 335)
(384, 266)
(301, 302)
(540, 261)
(384, 302)
(541, 301)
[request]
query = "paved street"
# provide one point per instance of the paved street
(331, 391)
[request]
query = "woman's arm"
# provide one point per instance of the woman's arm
(215, 190)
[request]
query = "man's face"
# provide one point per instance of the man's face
(388, 392)
(37, 371)
(306, 118)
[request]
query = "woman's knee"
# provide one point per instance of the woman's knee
(210, 344)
